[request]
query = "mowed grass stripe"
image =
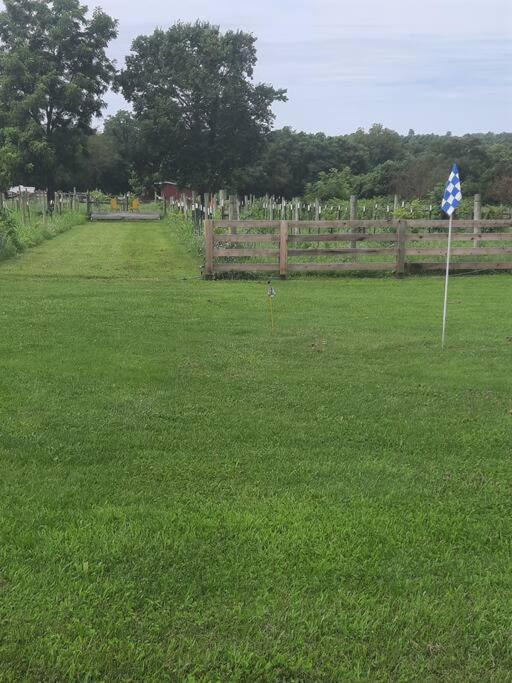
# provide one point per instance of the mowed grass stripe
(107, 250)
(184, 495)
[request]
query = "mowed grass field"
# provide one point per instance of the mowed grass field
(185, 497)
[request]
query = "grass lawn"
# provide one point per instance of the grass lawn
(185, 497)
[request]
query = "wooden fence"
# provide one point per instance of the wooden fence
(398, 246)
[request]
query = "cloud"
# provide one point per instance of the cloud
(406, 63)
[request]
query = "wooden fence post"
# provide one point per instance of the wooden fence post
(401, 239)
(283, 249)
(353, 217)
(396, 200)
(477, 215)
(232, 211)
(296, 231)
(477, 208)
(208, 249)
(353, 207)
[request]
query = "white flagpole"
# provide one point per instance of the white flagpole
(446, 279)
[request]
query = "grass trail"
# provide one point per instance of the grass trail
(185, 497)
(103, 250)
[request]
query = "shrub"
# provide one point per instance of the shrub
(184, 230)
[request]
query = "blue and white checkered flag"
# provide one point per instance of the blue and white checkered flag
(452, 192)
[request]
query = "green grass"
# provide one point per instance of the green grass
(185, 497)
(18, 233)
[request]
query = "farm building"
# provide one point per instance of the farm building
(170, 190)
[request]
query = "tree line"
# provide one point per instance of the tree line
(197, 118)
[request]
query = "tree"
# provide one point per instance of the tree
(337, 184)
(201, 115)
(112, 155)
(9, 157)
(53, 74)
(381, 143)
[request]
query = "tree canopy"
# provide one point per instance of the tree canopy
(53, 74)
(200, 113)
(379, 162)
(199, 118)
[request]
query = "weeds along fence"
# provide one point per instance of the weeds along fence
(399, 246)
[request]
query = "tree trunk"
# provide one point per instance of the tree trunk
(50, 192)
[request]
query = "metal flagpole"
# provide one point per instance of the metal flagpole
(446, 279)
(452, 197)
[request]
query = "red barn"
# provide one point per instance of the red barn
(170, 190)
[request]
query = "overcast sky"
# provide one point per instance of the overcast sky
(431, 65)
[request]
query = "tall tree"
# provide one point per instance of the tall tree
(111, 155)
(9, 157)
(53, 74)
(202, 115)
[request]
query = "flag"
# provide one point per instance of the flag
(452, 192)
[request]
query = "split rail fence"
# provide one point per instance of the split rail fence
(400, 246)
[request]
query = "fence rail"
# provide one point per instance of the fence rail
(284, 246)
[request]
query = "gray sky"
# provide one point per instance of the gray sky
(433, 66)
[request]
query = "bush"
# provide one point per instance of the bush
(184, 230)
(10, 242)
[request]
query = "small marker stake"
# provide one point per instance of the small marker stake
(271, 294)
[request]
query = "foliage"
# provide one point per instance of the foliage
(184, 231)
(415, 209)
(381, 162)
(113, 155)
(339, 184)
(201, 116)
(10, 157)
(99, 196)
(9, 239)
(53, 74)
